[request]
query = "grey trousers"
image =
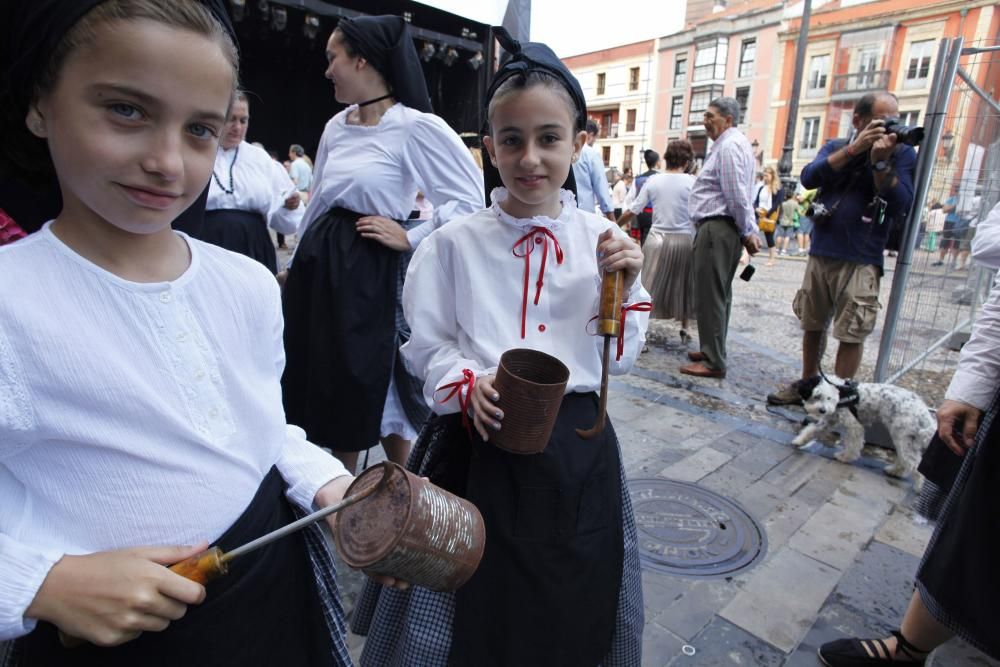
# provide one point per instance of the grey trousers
(717, 249)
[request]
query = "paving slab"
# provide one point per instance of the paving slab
(723, 643)
(781, 598)
(659, 645)
(794, 472)
(835, 535)
(903, 531)
(879, 583)
(696, 606)
(697, 465)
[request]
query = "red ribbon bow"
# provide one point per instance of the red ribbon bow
(641, 307)
(469, 378)
(526, 245)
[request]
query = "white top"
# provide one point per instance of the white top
(135, 413)
(463, 298)
(377, 170)
(618, 193)
(762, 195)
(259, 184)
(668, 195)
(978, 375)
(301, 174)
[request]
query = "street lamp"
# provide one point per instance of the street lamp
(947, 142)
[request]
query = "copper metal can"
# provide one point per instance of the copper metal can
(411, 530)
(531, 385)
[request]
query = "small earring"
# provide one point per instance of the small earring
(36, 125)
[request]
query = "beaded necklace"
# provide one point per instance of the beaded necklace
(232, 164)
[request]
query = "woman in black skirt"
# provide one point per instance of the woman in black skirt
(248, 193)
(344, 383)
(958, 583)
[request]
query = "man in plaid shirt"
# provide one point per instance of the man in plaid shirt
(722, 210)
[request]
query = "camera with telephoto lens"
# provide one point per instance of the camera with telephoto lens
(905, 134)
(818, 212)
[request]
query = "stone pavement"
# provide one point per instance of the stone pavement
(842, 543)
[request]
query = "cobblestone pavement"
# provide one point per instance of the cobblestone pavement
(842, 543)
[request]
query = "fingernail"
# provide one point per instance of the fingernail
(496, 397)
(498, 414)
(496, 426)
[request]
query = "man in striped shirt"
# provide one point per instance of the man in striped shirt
(722, 210)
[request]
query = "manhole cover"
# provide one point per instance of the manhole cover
(689, 531)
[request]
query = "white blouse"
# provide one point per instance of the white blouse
(259, 184)
(135, 413)
(377, 170)
(668, 194)
(465, 288)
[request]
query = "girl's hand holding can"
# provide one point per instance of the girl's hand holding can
(486, 416)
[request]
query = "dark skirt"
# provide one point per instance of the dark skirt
(266, 611)
(958, 578)
(559, 580)
(240, 231)
(343, 330)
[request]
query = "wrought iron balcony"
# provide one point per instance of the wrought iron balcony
(859, 83)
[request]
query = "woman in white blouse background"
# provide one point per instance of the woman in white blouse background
(248, 193)
(345, 382)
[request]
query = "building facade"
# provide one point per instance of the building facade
(619, 85)
(729, 52)
(856, 48)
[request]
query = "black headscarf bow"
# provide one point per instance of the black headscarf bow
(386, 43)
(31, 30)
(521, 60)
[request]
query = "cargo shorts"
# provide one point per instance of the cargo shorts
(842, 291)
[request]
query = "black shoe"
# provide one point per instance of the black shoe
(858, 652)
(937, 263)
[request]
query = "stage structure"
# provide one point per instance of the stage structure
(282, 60)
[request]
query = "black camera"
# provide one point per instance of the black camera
(905, 134)
(818, 212)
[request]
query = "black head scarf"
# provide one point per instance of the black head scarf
(521, 60)
(31, 30)
(386, 43)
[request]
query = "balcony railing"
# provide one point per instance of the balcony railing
(859, 83)
(608, 132)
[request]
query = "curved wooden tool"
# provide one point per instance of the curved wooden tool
(609, 326)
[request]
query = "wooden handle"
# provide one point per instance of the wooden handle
(202, 567)
(609, 315)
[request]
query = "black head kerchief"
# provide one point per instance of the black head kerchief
(31, 30)
(520, 60)
(386, 43)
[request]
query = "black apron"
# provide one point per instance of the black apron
(546, 591)
(265, 612)
(244, 232)
(342, 335)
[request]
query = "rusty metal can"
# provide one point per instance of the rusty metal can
(411, 530)
(531, 385)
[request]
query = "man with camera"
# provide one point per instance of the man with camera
(865, 188)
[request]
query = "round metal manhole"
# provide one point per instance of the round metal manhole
(689, 531)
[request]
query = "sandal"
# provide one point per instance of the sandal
(856, 652)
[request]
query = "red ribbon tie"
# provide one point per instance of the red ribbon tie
(640, 307)
(468, 378)
(523, 247)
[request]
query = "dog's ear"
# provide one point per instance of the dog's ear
(806, 387)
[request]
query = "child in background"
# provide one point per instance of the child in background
(788, 222)
(559, 583)
(139, 369)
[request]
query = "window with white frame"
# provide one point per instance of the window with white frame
(919, 65)
(810, 134)
(819, 72)
(743, 99)
(601, 81)
(710, 60)
(910, 118)
(676, 112)
(867, 66)
(680, 71)
(633, 78)
(748, 54)
(700, 100)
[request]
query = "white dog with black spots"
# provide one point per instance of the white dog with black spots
(847, 408)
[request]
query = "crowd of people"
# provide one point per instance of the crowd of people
(167, 386)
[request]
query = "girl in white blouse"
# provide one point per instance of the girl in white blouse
(345, 383)
(559, 581)
(140, 404)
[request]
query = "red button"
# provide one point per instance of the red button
(539, 239)
(541, 327)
